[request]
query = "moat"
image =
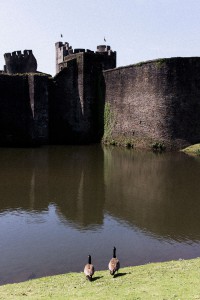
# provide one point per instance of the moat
(60, 203)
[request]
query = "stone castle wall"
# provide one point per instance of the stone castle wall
(157, 101)
(75, 105)
(23, 110)
(16, 121)
(39, 102)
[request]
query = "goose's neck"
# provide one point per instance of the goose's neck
(89, 259)
(114, 253)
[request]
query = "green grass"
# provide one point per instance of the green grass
(193, 150)
(169, 280)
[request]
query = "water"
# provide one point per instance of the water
(59, 204)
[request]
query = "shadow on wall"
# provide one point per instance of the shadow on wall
(76, 104)
(16, 119)
(64, 106)
(182, 95)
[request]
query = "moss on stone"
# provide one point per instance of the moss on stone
(109, 122)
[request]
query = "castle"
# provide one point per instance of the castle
(90, 100)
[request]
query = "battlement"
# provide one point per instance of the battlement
(18, 54)
(105, 56)
(76, 51)
(18, 62)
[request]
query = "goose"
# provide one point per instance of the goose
(114, 264)
(89, 269)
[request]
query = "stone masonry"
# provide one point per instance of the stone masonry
(90, 99)
(156, 101)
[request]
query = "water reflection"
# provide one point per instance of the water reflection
(76, 184)
(57, 204)
(157, 193)
(71, 177)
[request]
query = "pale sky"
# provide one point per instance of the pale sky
(138, 30)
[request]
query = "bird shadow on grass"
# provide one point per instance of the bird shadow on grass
(96, 278)
(119, 275)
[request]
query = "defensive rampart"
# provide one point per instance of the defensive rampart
(143, 105)
(154, 102)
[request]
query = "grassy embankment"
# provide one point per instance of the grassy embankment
(169, 280)
(192, 150)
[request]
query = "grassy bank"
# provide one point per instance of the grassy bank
(169, 280)
(192, 150)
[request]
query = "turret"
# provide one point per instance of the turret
(107, 57)
(16, 62)
(62, 50)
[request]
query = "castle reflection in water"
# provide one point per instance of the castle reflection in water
(158, 194)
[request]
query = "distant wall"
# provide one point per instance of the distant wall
(155, 101)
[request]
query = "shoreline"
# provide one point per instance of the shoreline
(172, 279)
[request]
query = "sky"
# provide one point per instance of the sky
(138, 30)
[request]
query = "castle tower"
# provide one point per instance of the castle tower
(107, 57)
(62, 50)
(17, 62)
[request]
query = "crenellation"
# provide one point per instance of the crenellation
(89, 51)
(78, 50)
(7, 55)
